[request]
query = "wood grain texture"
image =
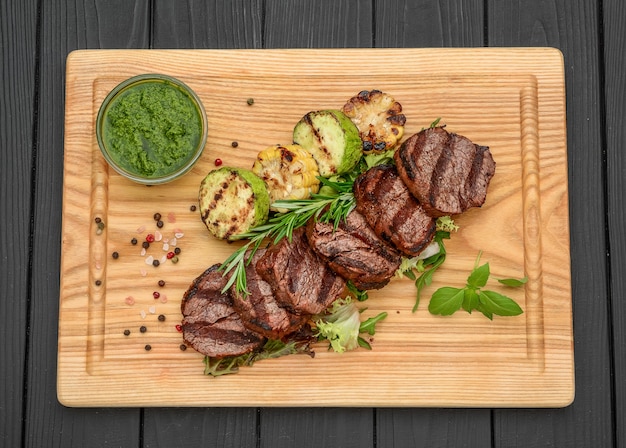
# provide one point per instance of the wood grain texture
(497, 84)
(65, 27)
(423, 23)
(615, 91)
(572, 27)
(18, 51)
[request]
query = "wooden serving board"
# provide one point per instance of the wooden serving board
(512, 100)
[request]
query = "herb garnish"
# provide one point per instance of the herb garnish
(447, 300)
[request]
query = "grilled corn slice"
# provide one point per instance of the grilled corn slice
(331, 138)
(290, 172)
(232, 201)
(379, 119)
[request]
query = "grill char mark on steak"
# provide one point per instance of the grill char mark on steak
(353, 251)
(302, 282)
(210, 323)
(392, 211)
(259, 310)
(446, 172)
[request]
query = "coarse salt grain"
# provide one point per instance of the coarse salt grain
(158, 236)
(143, 252)
(173, 242)
(179, 234)
(166, 247)
(142, 313)
(171, 217)
(149, 259)
(143, 272)
(130, 300)
(163, 298)
(152, 309)
(141, 229)
(163, 258)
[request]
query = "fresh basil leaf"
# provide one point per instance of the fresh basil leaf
(513, 282)
(446, 301)
(479, 276)
(499, 304)
(488, 314)
(470, 300)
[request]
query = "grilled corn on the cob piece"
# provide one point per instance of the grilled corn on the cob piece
(379, 119)
(290, 172)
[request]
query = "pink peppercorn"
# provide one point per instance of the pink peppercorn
(156, 294)
(150, 238)
(218, 162)
(179, 328)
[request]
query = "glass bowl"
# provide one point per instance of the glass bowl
(151, 128)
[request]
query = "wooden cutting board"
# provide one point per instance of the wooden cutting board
(512, 100)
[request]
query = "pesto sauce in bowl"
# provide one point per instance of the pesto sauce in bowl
(151, 128)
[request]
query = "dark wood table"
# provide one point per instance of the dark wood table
(35, 38)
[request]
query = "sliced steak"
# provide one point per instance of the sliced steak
(210, 323)
(392, 211)
(354, 251)
(446, 172)
(259, 310)
(301, 281)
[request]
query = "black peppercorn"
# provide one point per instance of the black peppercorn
(145, 244)
(115, 255)
(159, 224)
(126, 332)
(157, 216)
(155, 263)
(161, 283)
(133, 241)
(177, 251)
(148, 347)
(98, 282)
(234, 144)
(161, 317)
(192, 208)
(143, 329)
(183, 347)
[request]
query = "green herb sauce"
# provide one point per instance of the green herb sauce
(152, 129)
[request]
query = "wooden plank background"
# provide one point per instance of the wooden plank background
(37, 36)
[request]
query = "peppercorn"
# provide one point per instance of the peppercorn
(145, 244)
(143, 329)
(156, 294)
(250, 101)
(183, 347)
(98, 282)
(115, 255)
(161, 283)
(234, 144)
(161, 317)
(148, 347)
(218, 162)
(157, 216)
(175, 259)
(170, 255)
(98, 220)
(150, 238)
(177, 251)
(192, 208)
(179, 328)
(155, 263)
(159, 224)
(126, 332)
(133, 241)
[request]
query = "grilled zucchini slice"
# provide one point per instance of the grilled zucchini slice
(379, 119)
(289, 172)
(232, 201)
(331, 138)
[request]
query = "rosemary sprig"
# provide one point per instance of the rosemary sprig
(333, 203)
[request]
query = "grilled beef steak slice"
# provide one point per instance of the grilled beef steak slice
(392, 211)
(446, 172)
(301, 281)
(259, 310)
(354, 251)
(210, 323)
